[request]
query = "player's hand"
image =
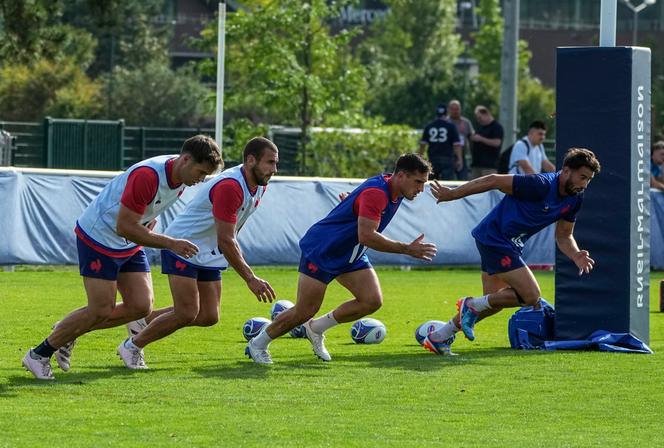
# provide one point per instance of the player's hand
(441, 192)
(458, 164)
(151, 224)
(343, 195)
(261, 289)
(583, 261)
(421, 250)
(183, 248)
(475, 138)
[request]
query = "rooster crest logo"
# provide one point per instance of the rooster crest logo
(96, 265)
(180, 266)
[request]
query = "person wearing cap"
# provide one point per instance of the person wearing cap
(444, 146)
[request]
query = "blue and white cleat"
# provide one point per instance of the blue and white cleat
(258, 355)
(468, 317)
(439, 347)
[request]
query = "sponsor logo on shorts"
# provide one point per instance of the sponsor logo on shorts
(565, 209)
(506, 262)
(312, 267)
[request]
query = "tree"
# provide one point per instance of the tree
(155, 95)
(28, 92)
(411, 56)
(535, 101)
(285, 65)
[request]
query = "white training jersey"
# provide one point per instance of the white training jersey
(197, 223)
(99, 220)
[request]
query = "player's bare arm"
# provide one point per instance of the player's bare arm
(368, 235)
(227, 242)
(567, 245)
(502, 182)
(129, 226)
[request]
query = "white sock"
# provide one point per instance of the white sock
(262, 340)
(129, 343)
(323, 323)
(480, 304)
(446, 332)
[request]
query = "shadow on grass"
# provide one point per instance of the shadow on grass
(16, 383)
(417, 361)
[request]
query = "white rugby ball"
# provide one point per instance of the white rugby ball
(368, 331)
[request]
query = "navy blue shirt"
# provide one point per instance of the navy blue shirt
(533, 205)
(332, 243)
(441, 135)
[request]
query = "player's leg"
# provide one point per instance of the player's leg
(364, 286)
(310, 294)
(185, 309)
(209, 293)
(101, 301)
(135, 287)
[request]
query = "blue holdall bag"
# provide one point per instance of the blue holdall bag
(528, 328)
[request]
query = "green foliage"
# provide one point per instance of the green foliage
(284, 65)
(411, 56)
(236, 134)
(60, 89)
(126, 30)
(155, 95)
(33, 30)
(536, 102)
(359, 154)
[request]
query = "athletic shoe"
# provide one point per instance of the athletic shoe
(259, 356)
(439, 347)
(135, 327)
(63, 355)
(468, 317)
(317, 342)
(39, 366)
(132, 358)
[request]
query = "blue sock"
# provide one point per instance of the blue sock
(44, 349)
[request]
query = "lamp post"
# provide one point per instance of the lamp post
(636, 10)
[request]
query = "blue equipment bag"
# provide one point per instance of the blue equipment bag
(528, 328)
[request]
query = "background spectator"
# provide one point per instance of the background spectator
(444, 146)
(487, 142)
(528, 156)
(465, 128)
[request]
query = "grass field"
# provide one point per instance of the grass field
(201, 391)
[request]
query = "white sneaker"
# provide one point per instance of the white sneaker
(135, 327)
(63, 355)
(260, 356)
(39, 366)
(317, 342)
(133, 359)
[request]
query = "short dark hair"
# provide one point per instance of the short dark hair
(658, 145)
(257, 146)
(203, 149)
(575, 158)
(482, 110)
(411, 163)
(537, 124)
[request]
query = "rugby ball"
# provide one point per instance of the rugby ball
(368, 331)
(253, 326)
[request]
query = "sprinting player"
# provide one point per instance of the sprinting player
(335, 248)
(110, 234)
(211, 221)
(531, 203)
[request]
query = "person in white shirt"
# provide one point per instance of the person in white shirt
(528, 156)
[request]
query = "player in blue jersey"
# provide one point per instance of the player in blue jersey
(531, 203)
(334, 248)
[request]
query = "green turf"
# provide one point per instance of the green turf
(201, 391)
